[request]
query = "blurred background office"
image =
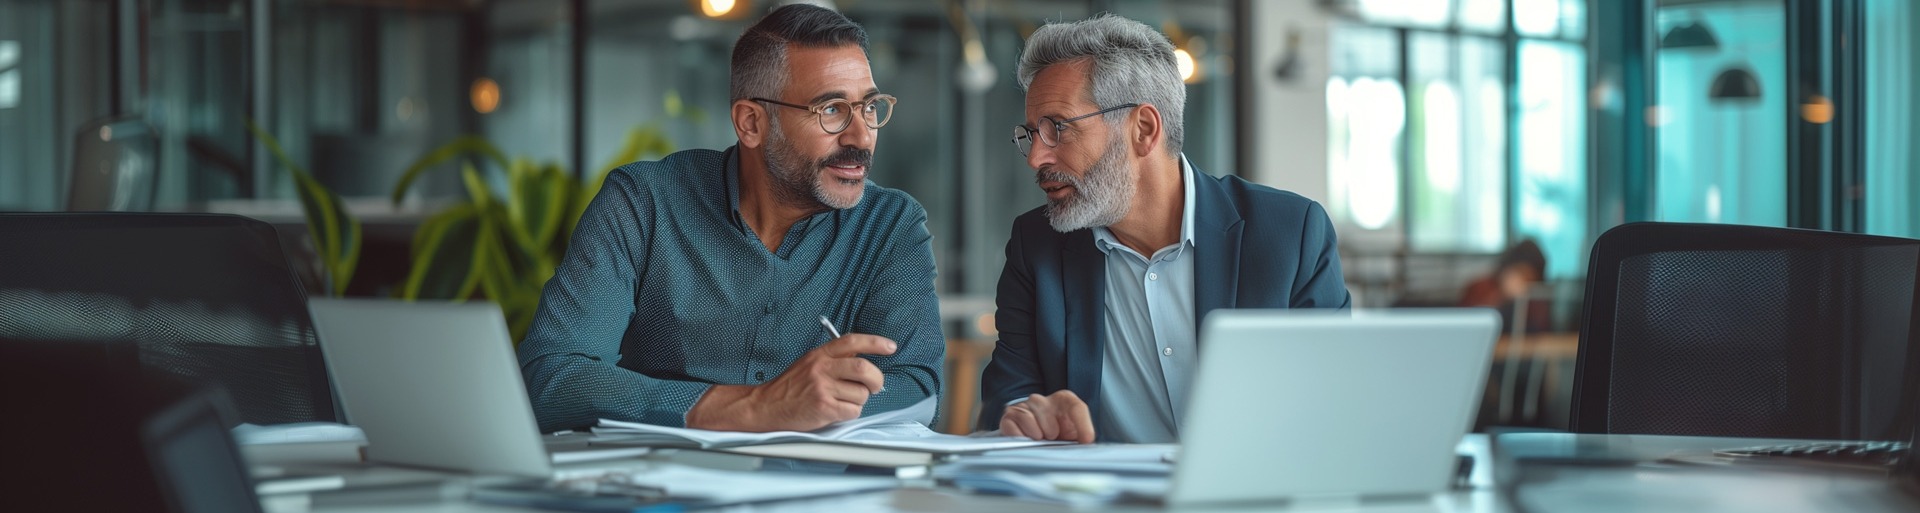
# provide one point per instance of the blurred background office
(1438, 133)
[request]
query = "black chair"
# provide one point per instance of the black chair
(1723, 330)
(135, 439)
(210, 297)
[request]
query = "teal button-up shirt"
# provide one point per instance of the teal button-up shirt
(666, 291)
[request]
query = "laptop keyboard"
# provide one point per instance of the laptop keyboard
(1873, 454)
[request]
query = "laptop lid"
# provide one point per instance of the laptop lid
(1291, 404)
(432, 384)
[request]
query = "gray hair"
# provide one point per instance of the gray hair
(759, 66)
(1131, 63)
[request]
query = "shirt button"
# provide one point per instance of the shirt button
(1168, 351)
(760, 376)
(767, 309)
(1153, 276)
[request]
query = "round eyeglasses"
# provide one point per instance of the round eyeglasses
(836, 115)
(1049, 131)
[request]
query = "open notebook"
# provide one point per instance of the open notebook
(893, 438)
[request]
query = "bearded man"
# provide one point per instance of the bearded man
(693, 291)
(1100, 303)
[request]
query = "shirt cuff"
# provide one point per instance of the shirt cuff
(675, 400)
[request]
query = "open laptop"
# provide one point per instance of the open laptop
(1305, 406)
(436, 385)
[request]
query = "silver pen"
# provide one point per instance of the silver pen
(829, 325)
(836, 334)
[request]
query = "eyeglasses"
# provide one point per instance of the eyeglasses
(1049, 131)
(837, 114)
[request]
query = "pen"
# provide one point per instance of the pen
(829, 325)
(836, 334)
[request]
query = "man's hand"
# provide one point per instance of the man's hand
(829, 384)
(1057, 416)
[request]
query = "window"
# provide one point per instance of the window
(1891, 131)
(1721, 153)
(1464, 156)
(1549, 192)
(1366, 116)
(1458, 144)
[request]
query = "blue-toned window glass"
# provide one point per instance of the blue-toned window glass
(1484, 16)
(1892, 116)
(1550, 18)
(1366, 116)
(1414, 13)
(1457, 121)
(1549, 192)
(1719, 134)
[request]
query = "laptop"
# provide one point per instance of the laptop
(1292, 405)
(436, 385)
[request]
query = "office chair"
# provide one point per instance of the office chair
(126, 440)
(1746, 331)
(114, 163)
(206, 296)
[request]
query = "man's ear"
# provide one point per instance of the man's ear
(1144, 131)
(750, 122)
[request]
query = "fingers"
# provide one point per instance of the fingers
(1036, 418)
(855, 344)
(859, 371)
(848, 392)
(1076, 421)
(1019, 421)
(1059, 416)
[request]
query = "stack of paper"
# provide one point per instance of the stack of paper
(888, 439)
(677, 487)
(1082, 475)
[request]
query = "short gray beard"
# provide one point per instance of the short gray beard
(1100, 199)
(796, 180)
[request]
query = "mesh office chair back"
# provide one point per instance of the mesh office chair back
(1724, 330)
(205, 296)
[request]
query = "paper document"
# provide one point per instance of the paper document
(299, 432)
(898, 429)
(1135, 459)
(678, 487)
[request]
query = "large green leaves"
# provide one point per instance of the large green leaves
(504, 245)
(335, 232)
(465, 145)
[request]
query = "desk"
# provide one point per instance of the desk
(1615, 476)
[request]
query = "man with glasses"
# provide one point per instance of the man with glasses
(709, 289)
(1104, 287)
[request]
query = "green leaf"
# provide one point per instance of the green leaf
(335, 232)
(447, 252)
(463, 145)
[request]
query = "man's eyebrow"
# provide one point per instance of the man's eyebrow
(829, 95)
(871, 92)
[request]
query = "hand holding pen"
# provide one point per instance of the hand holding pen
(830, 383)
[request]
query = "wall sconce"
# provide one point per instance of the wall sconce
(485, 95)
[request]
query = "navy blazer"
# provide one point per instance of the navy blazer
(1256, 247)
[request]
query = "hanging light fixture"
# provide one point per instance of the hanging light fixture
(1693, 35)
(1735, 84)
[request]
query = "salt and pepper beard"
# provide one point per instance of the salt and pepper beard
(797, 180)
(1101, 198)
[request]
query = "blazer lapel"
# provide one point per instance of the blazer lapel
(1216, 241)
(1086, 297)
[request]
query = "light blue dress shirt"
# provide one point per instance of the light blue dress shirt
(1150, 350)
